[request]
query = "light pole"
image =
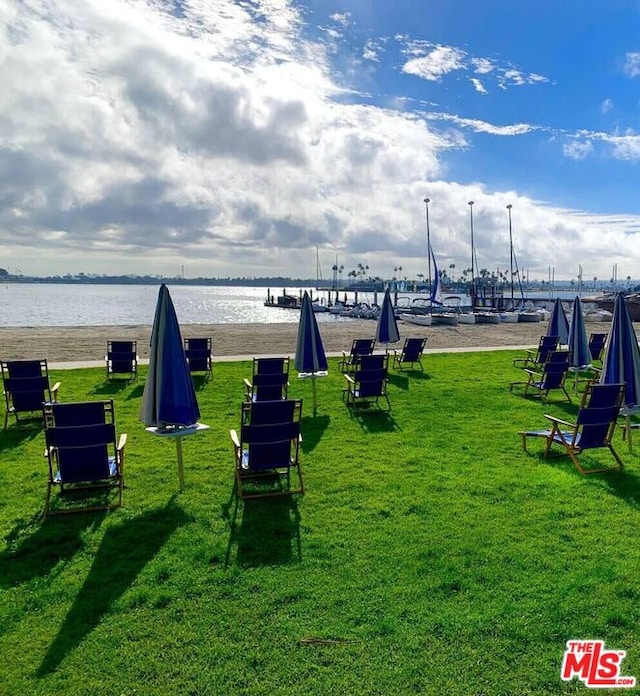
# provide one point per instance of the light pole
(426, 209)
(472, 251)
(510, 252)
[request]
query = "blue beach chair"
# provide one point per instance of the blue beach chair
(83, 454)
(593, 428)
(26, 389)
(267, 450)
(122, 359)
(410, 354)
(198, 352)
(270, 380)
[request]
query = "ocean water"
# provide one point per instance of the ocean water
(40, 304)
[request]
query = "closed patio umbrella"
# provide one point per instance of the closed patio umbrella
(558, 323)
(310, 359)
(621, 361)
(169, 406)
(387, 329)
(578, 341)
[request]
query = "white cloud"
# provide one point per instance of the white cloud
(438, 62)
(483, 66)
(606, 106)
(632, 64)
(479, 87)
(577, 150)
(371, 51)
(133, 140)
(480, 126)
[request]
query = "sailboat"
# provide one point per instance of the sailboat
(440, 315)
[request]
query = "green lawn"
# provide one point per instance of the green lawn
(430, 555)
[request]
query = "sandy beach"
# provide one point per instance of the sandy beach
(84, 343)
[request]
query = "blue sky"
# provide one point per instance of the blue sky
(235, 138)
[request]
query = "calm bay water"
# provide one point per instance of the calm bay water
(57, 304)
(35, 304)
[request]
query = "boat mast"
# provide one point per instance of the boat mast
(473, 285)
(511, 254)
(426, 207)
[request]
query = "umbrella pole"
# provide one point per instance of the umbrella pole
(313, 383)
(630, 444)
(180, 462)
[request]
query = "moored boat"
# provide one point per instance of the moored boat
(607, 302)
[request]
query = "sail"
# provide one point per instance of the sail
(436, 287)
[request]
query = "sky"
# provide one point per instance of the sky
(277, 137)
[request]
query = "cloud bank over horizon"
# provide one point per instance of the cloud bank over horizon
(235, 138)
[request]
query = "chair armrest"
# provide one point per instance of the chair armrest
(248, 384)
(122, 441)
(54, 391)
(234, 438)
(559, 421)
(350, 379)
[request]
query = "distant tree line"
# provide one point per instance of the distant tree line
(154, 280)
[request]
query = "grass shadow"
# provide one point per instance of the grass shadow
(136, 393)
(375, 420)
(11, 438)
(623, 484)
(125, 550)
(200, 381)
(399, 381)
(34, 552)
(268, 533)
(312, 429)
(111, 388)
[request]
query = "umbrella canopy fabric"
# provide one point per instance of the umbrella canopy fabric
(578, 341)
(169, 398)
(310, 357)
(558, 323)
(387, 330)
(621, 361)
